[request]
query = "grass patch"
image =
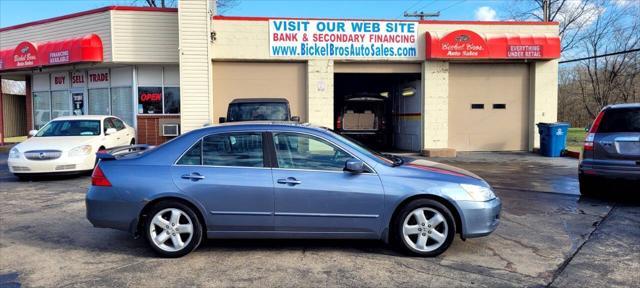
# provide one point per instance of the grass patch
(575, 139)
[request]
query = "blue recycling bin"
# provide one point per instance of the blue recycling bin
(553, 138)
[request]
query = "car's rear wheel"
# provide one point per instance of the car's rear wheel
(173, 229)
(424, 227)
(589, 186)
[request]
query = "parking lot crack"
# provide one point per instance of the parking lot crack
(567, 261)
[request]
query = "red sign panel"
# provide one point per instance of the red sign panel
(25, 55)
(465, 44)
(74, 50)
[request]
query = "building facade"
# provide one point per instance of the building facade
(448, 85)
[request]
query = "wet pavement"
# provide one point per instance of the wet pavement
(548, 236)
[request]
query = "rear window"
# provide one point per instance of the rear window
(258, 111)
(620, 120)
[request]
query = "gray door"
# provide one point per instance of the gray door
(313, 194)
(226, 174)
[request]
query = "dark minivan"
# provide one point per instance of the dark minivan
(259, 109)
(612, 147)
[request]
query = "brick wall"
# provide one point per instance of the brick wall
(148, 130)
(320, 92)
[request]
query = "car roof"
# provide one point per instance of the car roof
(623, 105)
(263, 124)
(83, 117)
(259, 100)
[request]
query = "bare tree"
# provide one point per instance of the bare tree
(221, 5)
(572, 16)
(611, 79)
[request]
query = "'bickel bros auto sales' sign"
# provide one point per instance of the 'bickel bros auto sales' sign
(343, 38)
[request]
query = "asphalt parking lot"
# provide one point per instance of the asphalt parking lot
(549, 236)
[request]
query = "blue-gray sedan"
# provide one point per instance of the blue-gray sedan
(281, 180)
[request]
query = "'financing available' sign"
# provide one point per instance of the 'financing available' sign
(343, 39)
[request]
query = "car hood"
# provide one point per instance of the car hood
(55, 143)
(421, 164)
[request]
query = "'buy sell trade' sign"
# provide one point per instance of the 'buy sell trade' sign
(343, 39)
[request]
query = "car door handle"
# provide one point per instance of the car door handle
(193, 176)
(290, 181)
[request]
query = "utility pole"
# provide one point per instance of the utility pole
(421, 14)
(546, 13)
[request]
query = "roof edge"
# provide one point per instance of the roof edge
(263, 18)
(87, 12)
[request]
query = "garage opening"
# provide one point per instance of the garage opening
(381, 110)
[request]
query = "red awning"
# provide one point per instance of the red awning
(73, 50)
(466, 44)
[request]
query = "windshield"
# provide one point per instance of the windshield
(356, 145)
(70, 128)
(258, 111)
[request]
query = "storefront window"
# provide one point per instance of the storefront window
(60, 104)
(171, 100)
(122, 104)
(150, 100)
(41, 109)
(99, 101)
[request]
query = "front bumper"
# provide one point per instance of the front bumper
(479, 218)
(60, 165)
(106, 210)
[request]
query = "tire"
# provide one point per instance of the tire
(409, 240)
(589, 185)
(161, 239)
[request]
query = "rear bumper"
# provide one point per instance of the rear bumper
(626, 172)
(105, 211)
(480, 218)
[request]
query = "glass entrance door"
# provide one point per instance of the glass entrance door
(60, 104)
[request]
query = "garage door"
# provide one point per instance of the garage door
(488, 107)
(232, 80)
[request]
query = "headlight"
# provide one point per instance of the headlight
(80, 151)
(14, 153)
(478, 193)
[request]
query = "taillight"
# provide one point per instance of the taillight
(98, 178)
(588, 140)
(339, 123)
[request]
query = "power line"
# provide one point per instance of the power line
(452, 5)
(599, 56)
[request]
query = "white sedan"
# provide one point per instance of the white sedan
(68, 144)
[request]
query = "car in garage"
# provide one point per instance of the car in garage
(68, 145)
(363, 118)
(611, 148)
(259, 109)
(285, 180)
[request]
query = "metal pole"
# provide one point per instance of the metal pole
(1, 115)
(545, 10)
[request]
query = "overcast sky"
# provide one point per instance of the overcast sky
(14, 12)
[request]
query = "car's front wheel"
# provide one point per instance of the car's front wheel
(424, 227)
(173, 229)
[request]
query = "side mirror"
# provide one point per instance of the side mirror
(295, 118)
(354, 166)
(222, 119)
(110, 131)
(33, 133)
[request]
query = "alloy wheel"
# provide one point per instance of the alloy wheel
(425, 229)
(171, 229)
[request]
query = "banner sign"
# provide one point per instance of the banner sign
(98, 78)
(524, 51)
(466, 44)
(343, 39)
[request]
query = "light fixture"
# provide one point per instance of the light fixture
(408, 91)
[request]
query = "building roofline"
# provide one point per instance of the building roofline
(262, 18)
(88, 12)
